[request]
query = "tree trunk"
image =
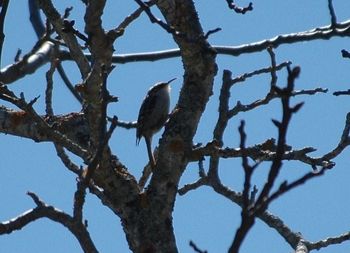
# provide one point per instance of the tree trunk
(148, 224)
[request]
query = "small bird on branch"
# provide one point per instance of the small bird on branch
(153, 114)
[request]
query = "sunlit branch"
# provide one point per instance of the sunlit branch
(54, 135)
(319, 33)
(324, 33)
(39, 56)
(42, 210)
(328, 241)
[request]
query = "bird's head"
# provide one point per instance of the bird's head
(158, 86)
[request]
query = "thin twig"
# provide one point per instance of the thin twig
(210, 32)
(119, 31)
(247, 217)
(196, 249)
(248, 170)
(266, 70)
(328, 241)
(343, 142)
(49, 88)
(153, 19)
(285, 186)
(203, 179)
(67, 12)
(68, 83)
(342, 93)
(332, 13)
(282, 127)
(68, 27)
(222, 122)
(237, 9)
(189, 187)
(67, 161)
(273, 66)
(238, 108)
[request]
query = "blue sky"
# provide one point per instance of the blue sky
(317, 210)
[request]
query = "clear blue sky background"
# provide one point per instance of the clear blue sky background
(317, 210)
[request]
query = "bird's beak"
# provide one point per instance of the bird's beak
(171, 80)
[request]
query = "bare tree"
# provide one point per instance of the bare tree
(145, 206)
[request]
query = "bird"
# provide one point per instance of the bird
(153, 114)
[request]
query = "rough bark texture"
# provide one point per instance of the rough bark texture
(19, 123)
(146, 214)
(149, 228)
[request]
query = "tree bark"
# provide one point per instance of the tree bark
(146, 216)
(148, 225)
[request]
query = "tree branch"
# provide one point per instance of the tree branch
(146, 8)
(238, 108)
(39, 29)
(20, 123)
(74, 48)
(49, 88)
(319, 33)
(282, 127)
(343, 142)
(66, 161)
(266, 151)
(68, 83)
(53, 135)
(328, 241)
(40, 55)
(332, 13)
(196, 249)
(193, 186)
(45, 211)
(285, 186)
(35, 18)
(340, 93)
(237, 9)
(247, 217)
(324, 33)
